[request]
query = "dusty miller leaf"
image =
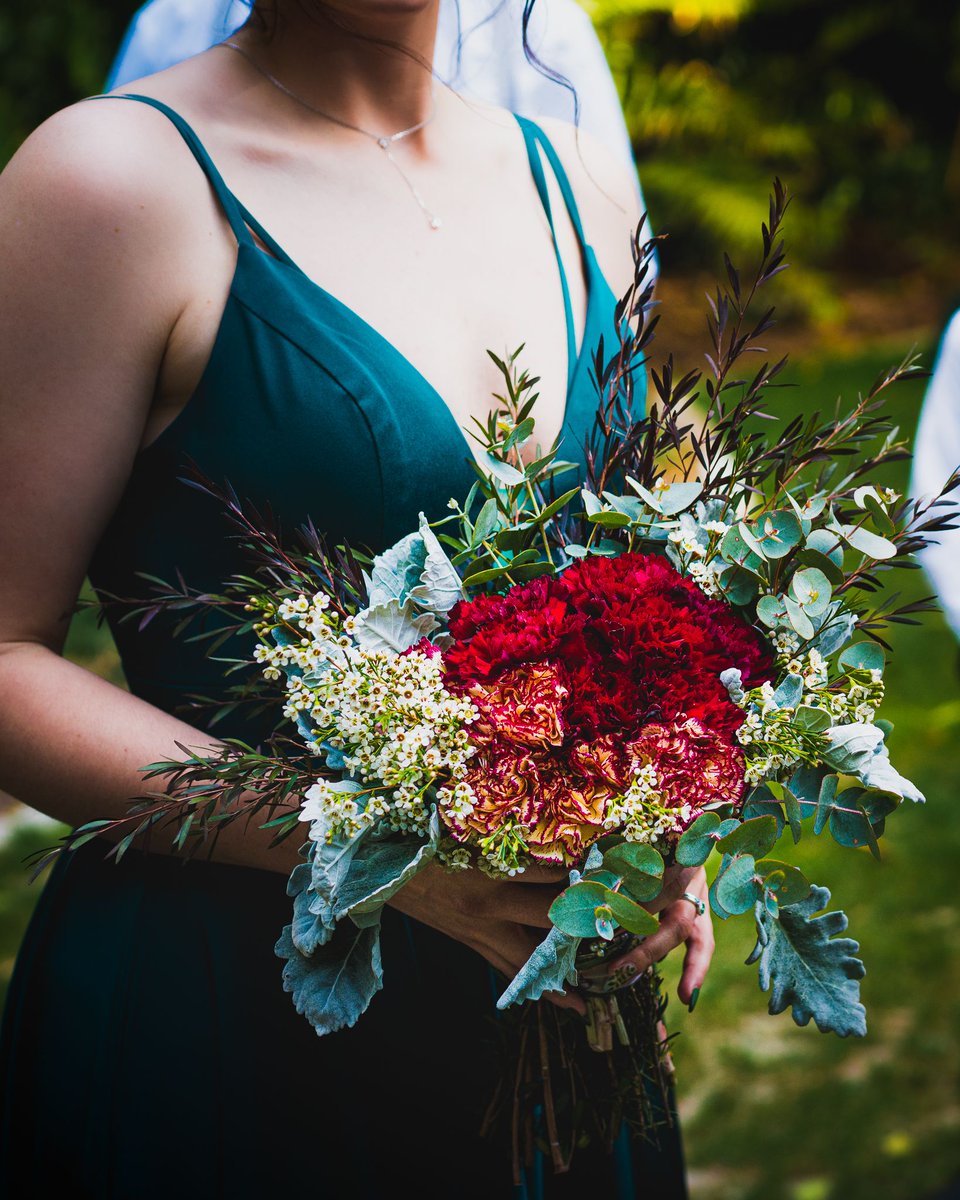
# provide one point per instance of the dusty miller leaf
(808, 968)
(547, 969)
(392, 628)
(333, 986)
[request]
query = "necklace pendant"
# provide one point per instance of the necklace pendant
(435, 223)
(383, 143)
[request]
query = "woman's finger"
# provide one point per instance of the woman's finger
(676, 925)
(696, 960)
(676, 881)
(507, 947)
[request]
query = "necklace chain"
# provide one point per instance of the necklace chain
(384, 141)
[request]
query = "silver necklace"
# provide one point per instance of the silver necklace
(384, 141)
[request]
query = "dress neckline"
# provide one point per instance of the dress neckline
(244, 225)
(381, 341)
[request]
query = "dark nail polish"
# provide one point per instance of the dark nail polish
(694, 997)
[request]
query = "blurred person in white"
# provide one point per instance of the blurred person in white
(935, 457)
(479, 52)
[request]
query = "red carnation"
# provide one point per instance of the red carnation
(573, 675)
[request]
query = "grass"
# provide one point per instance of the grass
(769, 1109)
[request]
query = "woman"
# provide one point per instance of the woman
(148, 315)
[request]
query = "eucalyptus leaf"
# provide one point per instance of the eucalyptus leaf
(735, 550)
(811, 719)
(809, 557)
(487, 521)
(502, 471)
(629, 914)
(869, 544)
(761, 802)
(698, 840)
(808, 968)
(827, 543)
(790, 884)
(865, 656)
(754, 837)
(802, 625)
(715, 904)
(635, 857)
(812, 591)
(592, 504)
(678, 496)
(739, 585)
(573, 910)
(778, 533)
(737, 886)
(772, 611)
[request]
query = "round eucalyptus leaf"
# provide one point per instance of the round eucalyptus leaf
(788, 883)
(630, 915)
(863, 656)
(678, 496)
(827, 543)
(573, 910)
(603, 921)
(772, 611)
(802, 625)
(696, 843)
(634, 857)
(814, 558)
(739, 585)
(778, 533)
(812, 720)
(754, 837)
(735, 550)
(812, 591)
(738, 888)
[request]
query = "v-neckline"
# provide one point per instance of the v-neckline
(380, 339)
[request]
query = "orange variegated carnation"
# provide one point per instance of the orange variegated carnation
(694, 765)
(561, 813)
(524, 706)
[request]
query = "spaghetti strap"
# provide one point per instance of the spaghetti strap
(534, 138)
(234, 211)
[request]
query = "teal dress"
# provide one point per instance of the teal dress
(148, 1048)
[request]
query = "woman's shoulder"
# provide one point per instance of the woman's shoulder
(110, 177)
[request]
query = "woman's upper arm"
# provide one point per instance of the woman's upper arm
(87, 302)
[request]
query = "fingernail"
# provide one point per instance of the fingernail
(694, 997)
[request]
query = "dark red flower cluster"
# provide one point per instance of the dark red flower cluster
(631, 646)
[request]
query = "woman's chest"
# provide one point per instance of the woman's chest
(488, 279)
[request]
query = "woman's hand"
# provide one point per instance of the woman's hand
(503, 920)
(680, 924)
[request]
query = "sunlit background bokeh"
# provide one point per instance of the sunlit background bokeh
(855, 104)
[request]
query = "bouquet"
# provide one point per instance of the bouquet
(680, 657)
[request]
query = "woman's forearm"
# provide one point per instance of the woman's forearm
(73, 746)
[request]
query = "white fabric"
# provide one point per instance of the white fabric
(492, 66)
(936, 455)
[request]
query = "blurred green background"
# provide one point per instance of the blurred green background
(855, 104)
